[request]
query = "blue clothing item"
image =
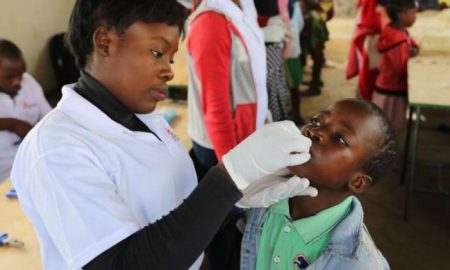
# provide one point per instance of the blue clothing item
(350, 247)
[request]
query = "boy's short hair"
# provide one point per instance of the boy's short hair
(9, 50)
(87, 15)
(394, 7)
(385, 148)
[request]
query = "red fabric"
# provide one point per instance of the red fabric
(369, 24)
(394, 46)
(263, 20)
(209, 45)
(244, 127)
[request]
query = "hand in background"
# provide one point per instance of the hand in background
(20, 127)
(413, 51)
(277, 30)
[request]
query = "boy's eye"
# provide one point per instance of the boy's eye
(315, 122)
(156, 53)
(171, 61)
(340, 139)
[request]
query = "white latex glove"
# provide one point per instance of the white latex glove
(272, 189)
(276, 30)
(272, 147)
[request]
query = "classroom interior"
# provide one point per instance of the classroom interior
(422, 242)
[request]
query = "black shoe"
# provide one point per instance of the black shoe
(444, 128)
(311, 92)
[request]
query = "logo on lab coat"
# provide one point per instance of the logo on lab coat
(172, 134)
(27, 105)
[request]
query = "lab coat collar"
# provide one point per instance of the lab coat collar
(87, 115)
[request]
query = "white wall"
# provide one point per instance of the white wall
(30, 24)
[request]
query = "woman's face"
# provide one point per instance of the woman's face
(135, 67)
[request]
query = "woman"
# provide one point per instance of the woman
(105, 182)
(227, 71)
(227, 97)
(272, 15)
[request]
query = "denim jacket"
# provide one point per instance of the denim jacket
(350, 247)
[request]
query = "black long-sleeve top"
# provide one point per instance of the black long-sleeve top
(176, 240)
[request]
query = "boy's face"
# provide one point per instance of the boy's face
(11, 71)
(408, 17)
(343, 136)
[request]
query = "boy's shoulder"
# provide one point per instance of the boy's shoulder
(351, 239)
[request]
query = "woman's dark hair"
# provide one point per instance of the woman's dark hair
(394, 7)
(88, 15)
(9, 50)
(385, 148)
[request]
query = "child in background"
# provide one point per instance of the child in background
(363, 57)
(293, 64)
(353, 145)
(313, 38)
(396, 47)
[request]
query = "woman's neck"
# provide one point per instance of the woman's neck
(302, 206)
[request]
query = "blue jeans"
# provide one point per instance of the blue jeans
(206, 157)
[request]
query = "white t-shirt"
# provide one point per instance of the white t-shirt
(87, 182)
(28, 105)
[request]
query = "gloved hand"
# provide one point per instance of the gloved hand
(272, 189)
(276, 30)
(272, 147)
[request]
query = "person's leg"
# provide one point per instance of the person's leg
(318, 37)
(277, 89)
(294, 74)
(318, 59)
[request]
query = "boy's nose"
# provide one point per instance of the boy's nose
(314, 135)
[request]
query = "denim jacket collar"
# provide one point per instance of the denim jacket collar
(350, 247)
(347, 240)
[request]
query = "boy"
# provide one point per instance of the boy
(353, 145)
(313, 38)
(22, 104)
(396, 47)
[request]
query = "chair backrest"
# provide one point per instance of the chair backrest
(63, 61)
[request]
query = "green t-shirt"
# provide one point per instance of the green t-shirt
(286, 244)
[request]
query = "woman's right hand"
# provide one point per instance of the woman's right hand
(272, 147)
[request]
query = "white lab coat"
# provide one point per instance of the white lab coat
(87, 182)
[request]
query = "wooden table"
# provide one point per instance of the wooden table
(428, 87)
(14, 222)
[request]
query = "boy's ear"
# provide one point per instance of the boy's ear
(360, 183)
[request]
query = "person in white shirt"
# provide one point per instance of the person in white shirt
(22, 104)
(103, 178)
